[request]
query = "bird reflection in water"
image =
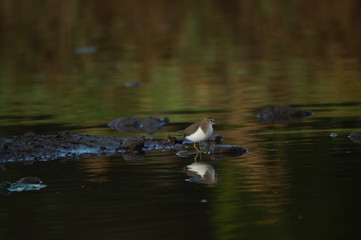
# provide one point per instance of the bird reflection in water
(201, 172)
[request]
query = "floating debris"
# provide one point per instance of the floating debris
(282, 114)
(24, 184)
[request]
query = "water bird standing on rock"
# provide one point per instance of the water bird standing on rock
(199, 131)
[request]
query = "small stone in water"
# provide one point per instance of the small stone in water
(183, 153)
(333, 135)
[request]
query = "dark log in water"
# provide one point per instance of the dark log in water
(34, 147)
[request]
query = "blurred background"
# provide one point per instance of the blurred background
(77, 65)
(64, 65)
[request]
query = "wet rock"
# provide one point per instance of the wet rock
(282, 114)
(133, 144)
(355, 136)
(29, 148)
(34, 147)
(183, 153)
(160, 143)
(29, 134)
(179, 147)
(128, 124)
(227, 149)
(173, 140)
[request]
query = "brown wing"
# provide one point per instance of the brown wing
(191, 129)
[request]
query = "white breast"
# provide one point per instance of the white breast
(199, 135)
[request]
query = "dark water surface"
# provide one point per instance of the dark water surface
(63, 66)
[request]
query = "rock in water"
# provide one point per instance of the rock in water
(151, 125)
(128, 124)
(282, 114)
(228, 149)
(133, 144)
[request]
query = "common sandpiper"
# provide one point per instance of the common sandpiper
(199, 131)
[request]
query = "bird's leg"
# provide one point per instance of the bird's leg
(195, 158)
(194, 144)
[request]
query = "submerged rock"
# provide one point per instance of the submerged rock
(129, 124)
(355, 136)
(151, 125)
(228, 149)
(282, 114)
